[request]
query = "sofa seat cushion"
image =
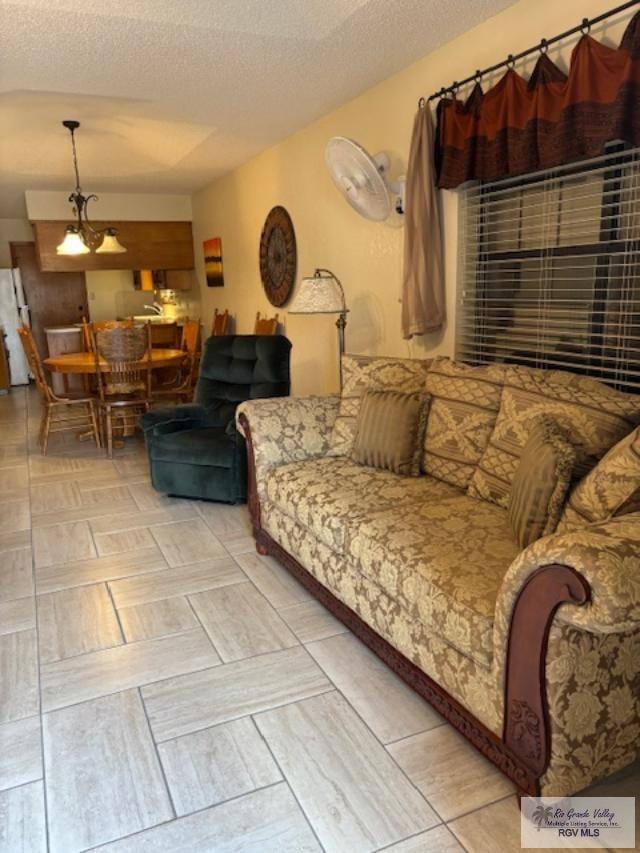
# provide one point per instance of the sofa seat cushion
(325, 495)
(443, 562)
(474, 686)
(210, 446)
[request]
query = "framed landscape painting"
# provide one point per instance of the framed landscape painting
(213, 262)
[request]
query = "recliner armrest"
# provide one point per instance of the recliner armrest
(232, 431)
(178, 425)
(186, 411)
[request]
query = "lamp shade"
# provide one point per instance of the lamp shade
(73, 244)
(110, 244)
(318, 295)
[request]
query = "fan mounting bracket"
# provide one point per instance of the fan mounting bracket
(383, 163)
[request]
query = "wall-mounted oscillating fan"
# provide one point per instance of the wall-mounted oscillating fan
(362, 179)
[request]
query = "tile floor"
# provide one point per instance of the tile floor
(163, 687)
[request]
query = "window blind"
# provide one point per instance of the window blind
(550, 270)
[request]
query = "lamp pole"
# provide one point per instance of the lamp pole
(341, 322)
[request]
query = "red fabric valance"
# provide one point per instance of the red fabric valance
(522, 126)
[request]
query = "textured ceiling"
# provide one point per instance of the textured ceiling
(172, 93)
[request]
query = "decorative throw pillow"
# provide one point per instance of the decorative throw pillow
(541, 482)
(594, 416)
(612, 488)
(464, 405)
(361, 373)
(390, 431)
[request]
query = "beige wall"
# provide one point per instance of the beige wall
(367, 256)
(103, 287)
(12, 231)
(163, 207)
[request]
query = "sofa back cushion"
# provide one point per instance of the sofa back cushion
(464, 405)
(611, 488)
(368, 373)
(390, 431)
(594, 416)
(541, 482)
(235, 368)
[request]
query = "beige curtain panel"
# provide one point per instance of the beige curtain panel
(423, 299)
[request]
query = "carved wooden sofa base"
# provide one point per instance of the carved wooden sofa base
(523, 751)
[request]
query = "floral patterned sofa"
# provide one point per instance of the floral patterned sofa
(534, 654)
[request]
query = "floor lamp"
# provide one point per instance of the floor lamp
(323, 293)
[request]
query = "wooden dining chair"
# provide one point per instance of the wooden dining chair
(165, 335)
(59, 413)
(88, 330)
(190, 339)
(124, 383)
(182, 386)
(220, 323)
(87, 338)
(265, 325)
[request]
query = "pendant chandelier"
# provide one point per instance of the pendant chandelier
(82, 238)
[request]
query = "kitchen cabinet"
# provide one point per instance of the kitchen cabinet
(150, 246)
(164, 279)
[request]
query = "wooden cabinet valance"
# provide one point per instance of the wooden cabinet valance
(150, 245)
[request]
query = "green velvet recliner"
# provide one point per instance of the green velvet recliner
(195, 450)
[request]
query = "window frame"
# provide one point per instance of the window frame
(593, 363)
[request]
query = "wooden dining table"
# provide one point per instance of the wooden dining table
(85, 362)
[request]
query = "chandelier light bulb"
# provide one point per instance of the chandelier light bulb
(110, 244)
(73, 244)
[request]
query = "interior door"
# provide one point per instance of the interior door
(54, 298)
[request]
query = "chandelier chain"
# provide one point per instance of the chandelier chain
(83, 237)
(75, 160)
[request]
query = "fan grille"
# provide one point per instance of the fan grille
(355, 173)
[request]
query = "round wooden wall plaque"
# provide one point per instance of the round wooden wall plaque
(278, 256)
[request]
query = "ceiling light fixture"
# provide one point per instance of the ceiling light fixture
(82, 238)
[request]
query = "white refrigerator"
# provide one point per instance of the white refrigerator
(13, 313)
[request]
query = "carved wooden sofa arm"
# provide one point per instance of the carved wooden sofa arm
(598, 568)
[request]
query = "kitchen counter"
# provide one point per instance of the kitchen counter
(154, 318)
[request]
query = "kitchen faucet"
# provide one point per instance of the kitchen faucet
(157, 309)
